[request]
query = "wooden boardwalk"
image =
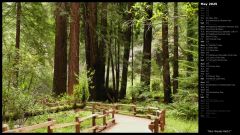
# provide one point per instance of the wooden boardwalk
(129, 124)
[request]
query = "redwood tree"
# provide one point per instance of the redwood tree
(147, 38)
(90, 21)
(60, 58)
(166, 70)
(127, 44)
(175, 53)
(101, 60)
(17, 47)
(73, 67)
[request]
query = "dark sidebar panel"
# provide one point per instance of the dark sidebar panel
(218, 66)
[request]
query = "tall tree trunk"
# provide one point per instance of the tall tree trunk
(101, 91)
(190, 41)
(118, 32)
(116, 47)
(17, 47)
(127, 45)
(175, 54)
(111, 57)
(166, 70)
(132, 56)
(73, 67)
(107, 74)
(60, 59)
(146, 59)
(90, 17)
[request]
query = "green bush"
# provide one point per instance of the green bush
(185, 105)
(81, 92)
(156, 85)
(139, 92)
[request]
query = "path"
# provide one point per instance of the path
(129, 124)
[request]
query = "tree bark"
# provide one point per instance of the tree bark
(101, 90)
(175, 54)
(146, 59)
(166, 70)
(90, 16)
(116, 47)
(111, 57)
(127, 45)
(132, 56)
(107, 74)
(60, 58)
(73, 67)
(17, 47)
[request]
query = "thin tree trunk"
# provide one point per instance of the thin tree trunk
(127, 45)
(30, 83)
(146, 59)
(107, 74)
(17, 47)
(73, 67)
(117, 63)
(60, 59)
(111, 57)
(166, 70)
(175, 55)
(132, 56)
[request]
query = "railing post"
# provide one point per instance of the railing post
(77, 125)
(113, 113)
(163, 120)
(155, 130)
(104, 118)
(4, 127)
(49, 127)
(116, 107)
(94, 123)
(93, 108)
(134, 110)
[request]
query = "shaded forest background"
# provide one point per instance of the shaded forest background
(144, 53)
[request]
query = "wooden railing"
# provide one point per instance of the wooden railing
(104, 110)
(153, 113)
(158, 122)
(50, 124)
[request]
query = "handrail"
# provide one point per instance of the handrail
(158, 118)
(51, 123)
(88, 117)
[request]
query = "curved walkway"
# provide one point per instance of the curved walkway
(129, 124)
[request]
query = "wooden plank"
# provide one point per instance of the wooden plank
(88, 117)
(63, 125)
(91, 128)
(29, 128)
(153, 108)
(100, 116)
(130, 105)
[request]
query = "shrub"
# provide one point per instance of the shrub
(81, 92)
(156, 85)
(139, 92)
(185, 105)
